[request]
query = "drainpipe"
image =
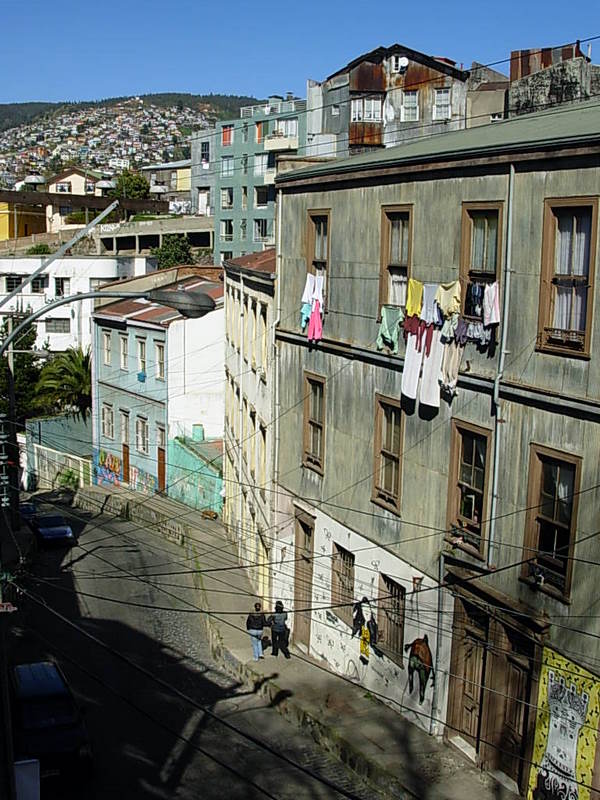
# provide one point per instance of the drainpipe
(241, 412)
(275, 371)
(492, 546)
(438, 646)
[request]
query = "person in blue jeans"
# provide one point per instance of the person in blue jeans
(254, 625)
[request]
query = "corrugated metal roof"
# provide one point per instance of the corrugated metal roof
(264, 261)
(210, 451)
(580, 122)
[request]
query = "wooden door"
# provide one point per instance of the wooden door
(303, 575)
(512, 745)
(161, 468)
(125, 460)
(472, 683)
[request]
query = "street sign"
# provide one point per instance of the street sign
(7, 608)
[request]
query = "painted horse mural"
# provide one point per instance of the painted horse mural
(420, 660)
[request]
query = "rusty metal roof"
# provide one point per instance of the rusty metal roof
(380, 53)
(265, 261)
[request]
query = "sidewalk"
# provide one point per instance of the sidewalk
(378, 743)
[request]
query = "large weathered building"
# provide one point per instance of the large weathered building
(449, 484)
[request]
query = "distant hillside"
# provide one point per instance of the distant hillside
(217, 106)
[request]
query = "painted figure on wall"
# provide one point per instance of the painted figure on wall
(565, 732)
(420, 660)
(365, 625)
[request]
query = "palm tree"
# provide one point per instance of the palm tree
(66, 382)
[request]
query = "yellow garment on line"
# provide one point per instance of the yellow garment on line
(448, 298)
(414, 298)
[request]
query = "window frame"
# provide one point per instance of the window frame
(53, 324)
(435, 116)
(124, 353)
(453, 494)
(311, 235)
(227, 165)
(341, 594)
(546, 302)
(142, 355)
(59, 287)
(309, 459)
(227, 135)
(124, 427)
(140, 422)
(385, 248)
(394, 652)
(107, 348)
(466, 245)
(403, 115)
(394, 506)
(108, 421)
(160, 362)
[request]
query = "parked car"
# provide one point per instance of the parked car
(27, 510)
(51, 529)
(47, 722)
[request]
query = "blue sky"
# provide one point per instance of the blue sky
(67, 50)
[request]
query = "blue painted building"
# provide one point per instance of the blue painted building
(195, 471)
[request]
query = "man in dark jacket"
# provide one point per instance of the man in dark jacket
(254, 625)
(279, 630)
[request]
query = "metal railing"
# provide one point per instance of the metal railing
(279, 107)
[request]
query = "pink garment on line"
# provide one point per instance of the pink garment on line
(315, 326)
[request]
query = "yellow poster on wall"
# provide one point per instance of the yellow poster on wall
(566, 731)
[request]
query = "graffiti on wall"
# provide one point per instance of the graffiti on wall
(141, 481)
(107, 468)
(566, 731)
(420, 660)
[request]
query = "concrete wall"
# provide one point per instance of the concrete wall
(192, 480)
(561, 83)
(60, 436)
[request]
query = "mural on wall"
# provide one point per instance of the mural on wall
(566, 731)
(364, 625)
(420, 660)
(107, 468)
(141, 481)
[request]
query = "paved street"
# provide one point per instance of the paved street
(147, 741)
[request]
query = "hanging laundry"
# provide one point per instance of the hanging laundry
(429, 394)
(305, 312)
(447, 297)
(392, 318)
(474, 300)
(477, 332)
(414, 299)
(491, 305)
(411, 325)
(412, 367)
(428, 314)
(315, 325)
(438, 317)
(461, 332)
(317, 295)
(451, 359)
(309, 288)
(424, 336)
(449, 328)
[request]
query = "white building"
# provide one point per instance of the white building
(68, 325)
(249, 411)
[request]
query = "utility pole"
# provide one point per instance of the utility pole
(12, 444)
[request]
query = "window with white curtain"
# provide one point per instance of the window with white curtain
(441, 104)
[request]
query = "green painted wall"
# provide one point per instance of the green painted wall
(192, 479)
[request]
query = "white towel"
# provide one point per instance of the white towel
(318, 290)
(491, 305)
(429, 393)
(309, 288)
(412, 367)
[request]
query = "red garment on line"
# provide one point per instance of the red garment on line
(315, 326)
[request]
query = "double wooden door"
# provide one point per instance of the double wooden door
(303, 576)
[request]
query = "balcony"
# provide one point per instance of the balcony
(280, 107)
(269, 176)
(279, 142)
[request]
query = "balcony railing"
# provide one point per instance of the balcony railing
(279, 107)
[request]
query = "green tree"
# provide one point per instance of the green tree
(27, 369)
(65, 383)
(175, 250)
(38, 250)
(131, 186)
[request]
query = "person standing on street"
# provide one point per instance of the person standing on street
(254, 625)
(279, 630)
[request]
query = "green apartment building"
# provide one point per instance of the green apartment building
(244, 164)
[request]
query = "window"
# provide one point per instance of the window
(205, 152)
(226, 255)
(245, 164)
(568, 268)
(262, 459)
(367, 109)
(96, 283)
(124, 426)
(90, 187)
(398, 63)
(314, 422)
(335, 110)
(161, 439)
(263, 340)
(13, 282)
(287, 127)
(261, 162)
(396, 250)
(480, 253)
(62, 287)
(107, 346)
(441, 104)
(123, 352)
(64, 211)
(253, 334)
(63, 187)
(226, 230)
(551, 520)
(39, 284)
(409, 111)
(259, 132)
(245, 133)
(58, 325)
(468, 485)
(388, 453)
(227, 135)
(141, 355)
(244, 197)
(261, 196)
(243, 229)
(159, 355)
(108, 421)
(227, 197)
(318, 246)
(261, 230)
(141, 434)
(252, 443)
(342, 583)
(390, 618)
(226, 166)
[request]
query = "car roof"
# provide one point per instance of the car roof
(42, 517)
(40, 679)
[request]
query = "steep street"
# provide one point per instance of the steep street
(147, 741)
